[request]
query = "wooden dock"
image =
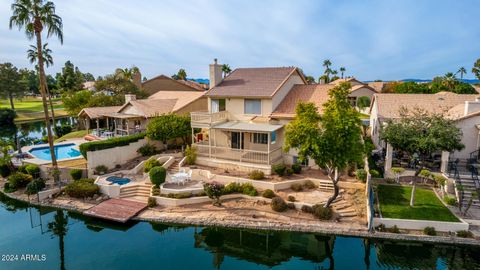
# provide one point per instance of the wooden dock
(116, 209)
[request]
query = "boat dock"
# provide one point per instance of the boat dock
(116, 209)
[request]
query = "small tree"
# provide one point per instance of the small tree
(363, 102)
(334, 140)
(441, 182)
(422, 133)
(425, 175)
(157, 175)
(214, 191)
(168, 127)
(190, 155)
(397, 171)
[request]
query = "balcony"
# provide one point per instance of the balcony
(207, 119)
(239, 155)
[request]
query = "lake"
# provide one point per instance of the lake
(56, 239)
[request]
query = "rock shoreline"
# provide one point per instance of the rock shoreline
(243, 223)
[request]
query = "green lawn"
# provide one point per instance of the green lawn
(72, 135)
(395, 203)
(32, 108)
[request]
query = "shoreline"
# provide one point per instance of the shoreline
(328, 228)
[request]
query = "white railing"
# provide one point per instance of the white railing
(207, 118)
(241, 155)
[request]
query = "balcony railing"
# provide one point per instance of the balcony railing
(207, 119)
(240, 155)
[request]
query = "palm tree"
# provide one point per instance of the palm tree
(334, 73)
(462, 72)
(342, 70)
(226, 70)
(126, 73)
(327, 63)
(449, 80)
(32, 55)
(33, 16)
(59, 227)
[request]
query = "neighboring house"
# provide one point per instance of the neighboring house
(464, 109)
(165, 83)
(359, 89)
(133, 116)
(90, 85)
(243, 128)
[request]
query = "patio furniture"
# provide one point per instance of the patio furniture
(181, 177)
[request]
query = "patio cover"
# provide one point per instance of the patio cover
(243, 126)
(123, 115)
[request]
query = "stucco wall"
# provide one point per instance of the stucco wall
(469, 138)
(283, 91)
(195, 106)
(361, 92)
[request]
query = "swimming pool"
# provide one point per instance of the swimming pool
(118, 180)
(63, 151)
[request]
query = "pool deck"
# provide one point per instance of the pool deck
(38, 161)
(116, 210)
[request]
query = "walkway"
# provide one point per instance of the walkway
(116, 209)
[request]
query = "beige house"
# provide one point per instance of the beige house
(243, 128)
(464, 109)
(133, 116)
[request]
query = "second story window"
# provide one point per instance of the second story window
(253, 106)
(218, 105)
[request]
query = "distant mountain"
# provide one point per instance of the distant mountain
(203, 81)
(427, 81)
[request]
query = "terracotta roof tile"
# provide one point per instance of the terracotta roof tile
(252, 82)
(95, 112)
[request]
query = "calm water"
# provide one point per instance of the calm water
(61, 152)
(70, 241)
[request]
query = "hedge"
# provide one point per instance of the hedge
(110, 143)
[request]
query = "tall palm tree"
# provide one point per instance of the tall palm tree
(334, 73)
(33, 16)
(226, 70)
(462, 72)
(126, 73)
(327, 63)
(59, 227)
(32, 55)
(342, 70)
(449, 80)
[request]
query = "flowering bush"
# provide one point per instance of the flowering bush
(214, 191)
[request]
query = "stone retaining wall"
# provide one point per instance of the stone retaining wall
(411, 224)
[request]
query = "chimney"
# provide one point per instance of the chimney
(471, 106)
(216, 75)
(137, 79)
(130, 97)
(321, 81)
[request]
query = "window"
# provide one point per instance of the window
(253, 106)
(218, 105)
(273, 137)
(260, 138)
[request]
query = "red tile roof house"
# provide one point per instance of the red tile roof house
(243, 128)
(462, 108)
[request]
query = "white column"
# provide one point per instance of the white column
(388, 158)
(209, 144)
(268, 147)
(444, 164)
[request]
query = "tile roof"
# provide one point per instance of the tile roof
(252, 82)
(389, 105)
(378, 86)
(349, 79)
(316, 93)
(183, 97)
(153, 107)
(96, 112)
(192, 84)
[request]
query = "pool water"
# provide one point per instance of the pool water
(118, 180)
(63, 151)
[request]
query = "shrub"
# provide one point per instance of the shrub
(109, 143)
(76, 174)
(152, 202)
(291, 205)
(33, 170)
(291, 198)
(214, 191)
(158, 175)
(393, 229)
(101, 169)
(268, 193)
(248, 189)
(7, 188)
(450, 200)
(22, 168)
(465, 234)
(7, 117)
(190, 155)
(296, 187)
(278, 204)
(361, 175)
(297, 168)
(430, 231)
(374, 173)
(279, 169)
(323, 213)
(289, 172)
(150, 163)
(307, 209)
(256, 175)
(4, 170)
(82, 188)
(155, 191)
(308, 184)
(19, 180)
(62, 130)
(35, 186)
(232, 187)
(147, 150)
(182, 195)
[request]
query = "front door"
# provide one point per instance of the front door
(237, 140)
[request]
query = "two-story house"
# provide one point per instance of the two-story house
(244, 126)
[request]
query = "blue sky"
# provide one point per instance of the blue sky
(373, 39)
